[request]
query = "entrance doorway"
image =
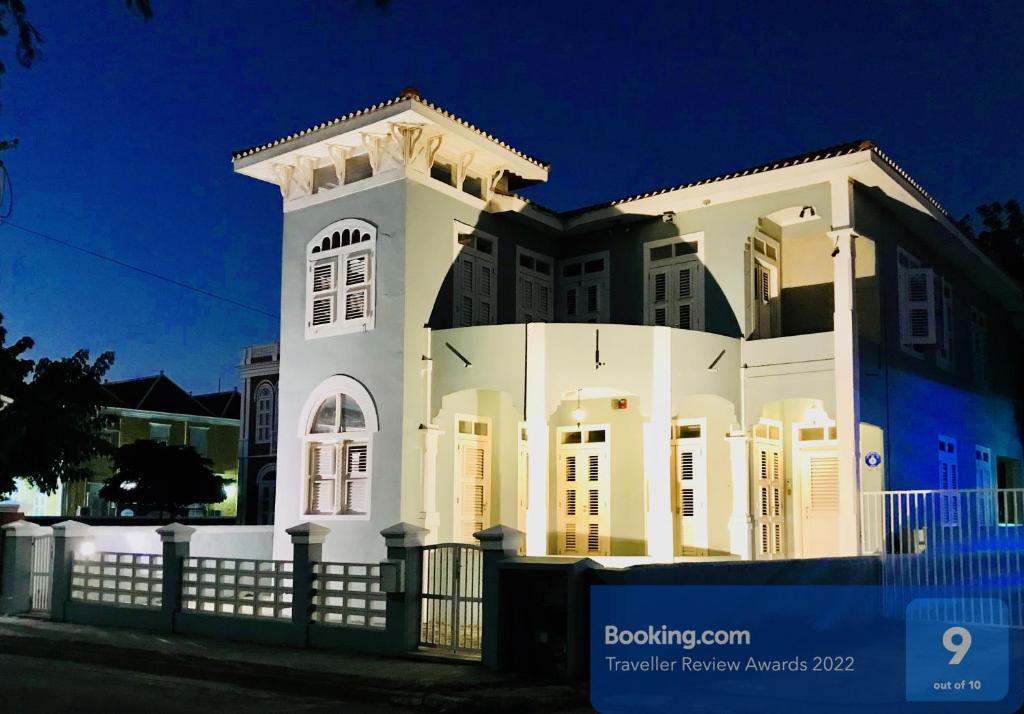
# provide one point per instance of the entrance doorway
(817, 459)
(689, 466)
(472, 476)
(582, 501)
(769, 491)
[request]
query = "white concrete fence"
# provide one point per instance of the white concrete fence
(305, 601)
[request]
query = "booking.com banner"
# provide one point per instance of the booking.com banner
(801, 649)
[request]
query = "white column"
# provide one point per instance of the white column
(657, 451)
(847, 390)
(739, 521)
(536, 441)
(430, 517)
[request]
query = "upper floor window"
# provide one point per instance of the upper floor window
(675, 285)
(476, 272)
(265, 408)
(338, 435)
(916, 303)
(197, 439)
(160, 432)
(340, 278)
(979, 347)
(764, 307)
(534, 287)
(583, 288)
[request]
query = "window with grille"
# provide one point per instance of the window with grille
(338, 458)
(340, 279)
(675, 283)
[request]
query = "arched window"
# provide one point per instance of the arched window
(338, 426)
(340, 278)
(265, 409)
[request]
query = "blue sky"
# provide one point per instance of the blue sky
(127, 127)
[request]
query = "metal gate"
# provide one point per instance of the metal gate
(451, 618)
(42, 573)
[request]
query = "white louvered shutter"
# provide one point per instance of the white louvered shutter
(358, 267)
(691, 493)
(357, 471)
(322, 478)
(769, 515)
(949, 480)
(917, 306)
(323, 292)
(474, 483)
(823, 472)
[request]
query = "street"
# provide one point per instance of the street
(53, 686)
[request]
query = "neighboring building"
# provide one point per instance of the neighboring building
(714, 369)
(257, 445)
(156, 408)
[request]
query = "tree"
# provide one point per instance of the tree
(54, 426)
(1002, 235)
(152, 475)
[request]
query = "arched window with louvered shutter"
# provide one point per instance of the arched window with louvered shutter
(264, 403)
(337, 428)
(340, 277)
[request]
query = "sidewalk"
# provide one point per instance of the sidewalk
(409, 682)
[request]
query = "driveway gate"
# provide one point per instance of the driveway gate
(452, 598)
(42, 573)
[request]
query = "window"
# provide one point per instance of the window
(583, 289)
(265, 421)
(340, 279)
(949, 480)
(944, 357)
(476, 284)
(761, 267)
(197, 439)
(534, 287)
(675, 288)
(160, 432)
(338, 433)
(916, 303)
(979, 347)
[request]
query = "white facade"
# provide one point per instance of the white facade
(696, 373)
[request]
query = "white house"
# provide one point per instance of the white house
(716, 369)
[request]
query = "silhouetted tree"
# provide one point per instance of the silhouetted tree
(53, 428)
(1001, 235)
(152, 475)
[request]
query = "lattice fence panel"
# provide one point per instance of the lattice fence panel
(122, 579)
(349, 594)
(229, 586)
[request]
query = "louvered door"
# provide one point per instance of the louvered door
(769, 499)
(582, 502)
(689, 465)
(674, 295)
(475, 289)
(819, 476)
(473, 477)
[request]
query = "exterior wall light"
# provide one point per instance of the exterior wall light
(578, 413)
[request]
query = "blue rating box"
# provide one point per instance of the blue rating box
(950, 660)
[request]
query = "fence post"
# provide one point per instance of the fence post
(307, 551)
(176, 539)
(16, 583)
(402, 580)
(497, 543)
(68, 539)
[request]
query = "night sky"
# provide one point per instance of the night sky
(127, 128)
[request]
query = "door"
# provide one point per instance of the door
(265, 498)
(769, 490)
(763, 280)
(473, 476)
(582, 500)
(819, 477)
(475, 289)
(689, 465)
(584, 289)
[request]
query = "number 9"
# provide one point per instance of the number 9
(959, 647)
